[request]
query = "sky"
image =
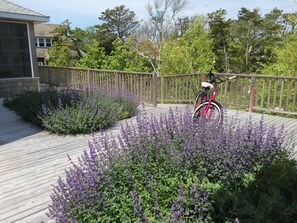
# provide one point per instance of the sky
(84, 13)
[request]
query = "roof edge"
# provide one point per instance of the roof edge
(34, 18)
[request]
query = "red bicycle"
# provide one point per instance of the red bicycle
(208, 107)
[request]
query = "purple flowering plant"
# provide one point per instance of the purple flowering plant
(165, 169)
(74, 111)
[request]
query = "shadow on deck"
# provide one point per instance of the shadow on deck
(12, 127)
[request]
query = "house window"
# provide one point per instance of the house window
(48, 42)
(43, 42)
(15, 59)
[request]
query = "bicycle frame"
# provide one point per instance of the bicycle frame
(212, 98)
(212, 84)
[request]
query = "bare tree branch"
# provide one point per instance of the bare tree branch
(162, 14)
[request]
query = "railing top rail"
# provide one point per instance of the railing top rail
(99, 70)
(260, 76)
(183, 75)
(238, 75)
(121, 72)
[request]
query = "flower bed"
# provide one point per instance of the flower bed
(73, 111)
(173, 170)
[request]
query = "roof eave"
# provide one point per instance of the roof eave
(34, 18)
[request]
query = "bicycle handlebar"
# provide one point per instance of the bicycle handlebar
(212, 78)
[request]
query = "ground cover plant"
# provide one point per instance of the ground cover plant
(73, 111)
(173, 170)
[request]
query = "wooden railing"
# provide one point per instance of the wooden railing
(141, 84)
(277, 94)
(246, 91)
(254, 92)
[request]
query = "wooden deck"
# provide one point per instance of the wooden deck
(31, 161)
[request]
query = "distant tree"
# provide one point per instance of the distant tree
(290, 21)
(103, 37)
(119, 21)
(286, 55)
(219, 33)
(69, 42)
(176, 58)
(286, 62)
(192, 52)
(123, 57)
(182, 24)
(199, 45)
(273, 31)
(246, 41)
(256, 38)
(60, 55)
(155, 31)
(94, 58)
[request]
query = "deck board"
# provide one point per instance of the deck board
(31, 161)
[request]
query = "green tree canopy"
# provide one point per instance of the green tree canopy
(69, 43)
(119, 21)
(157, 29)
(219, 33)
(103, 37)
(123, 57)
(94, 58)
(247, 38)
(169, 44)
(60, 55)
(286, 55)
(192, 52)
(246, 44)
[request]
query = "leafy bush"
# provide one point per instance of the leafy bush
(89, 113)
(166, 170)
(30, 104)
(73, 111)
(20, 105)
(272, 197)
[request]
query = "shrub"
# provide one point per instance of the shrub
(73, 111)
(124, 107)
(20, 105)
(90, 113)
(31, 104)
(162, 170)
(272, 196)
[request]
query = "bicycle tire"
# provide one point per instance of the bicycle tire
(216, 115)
(199, 99)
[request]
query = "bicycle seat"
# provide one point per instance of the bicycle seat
(206, 85)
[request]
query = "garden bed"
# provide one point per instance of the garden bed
(73, 111)
(173, 170)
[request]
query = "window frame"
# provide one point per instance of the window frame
(47, 44)
(29, 39)
(41, 42)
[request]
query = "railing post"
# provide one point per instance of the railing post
(162, 90)
(203, 77)
(89, 80)
(68, 77)
(49, 76)
(154, 89)
(252, 98)
(117, 82)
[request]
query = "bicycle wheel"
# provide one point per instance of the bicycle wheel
(213, 114)
(201, 97)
